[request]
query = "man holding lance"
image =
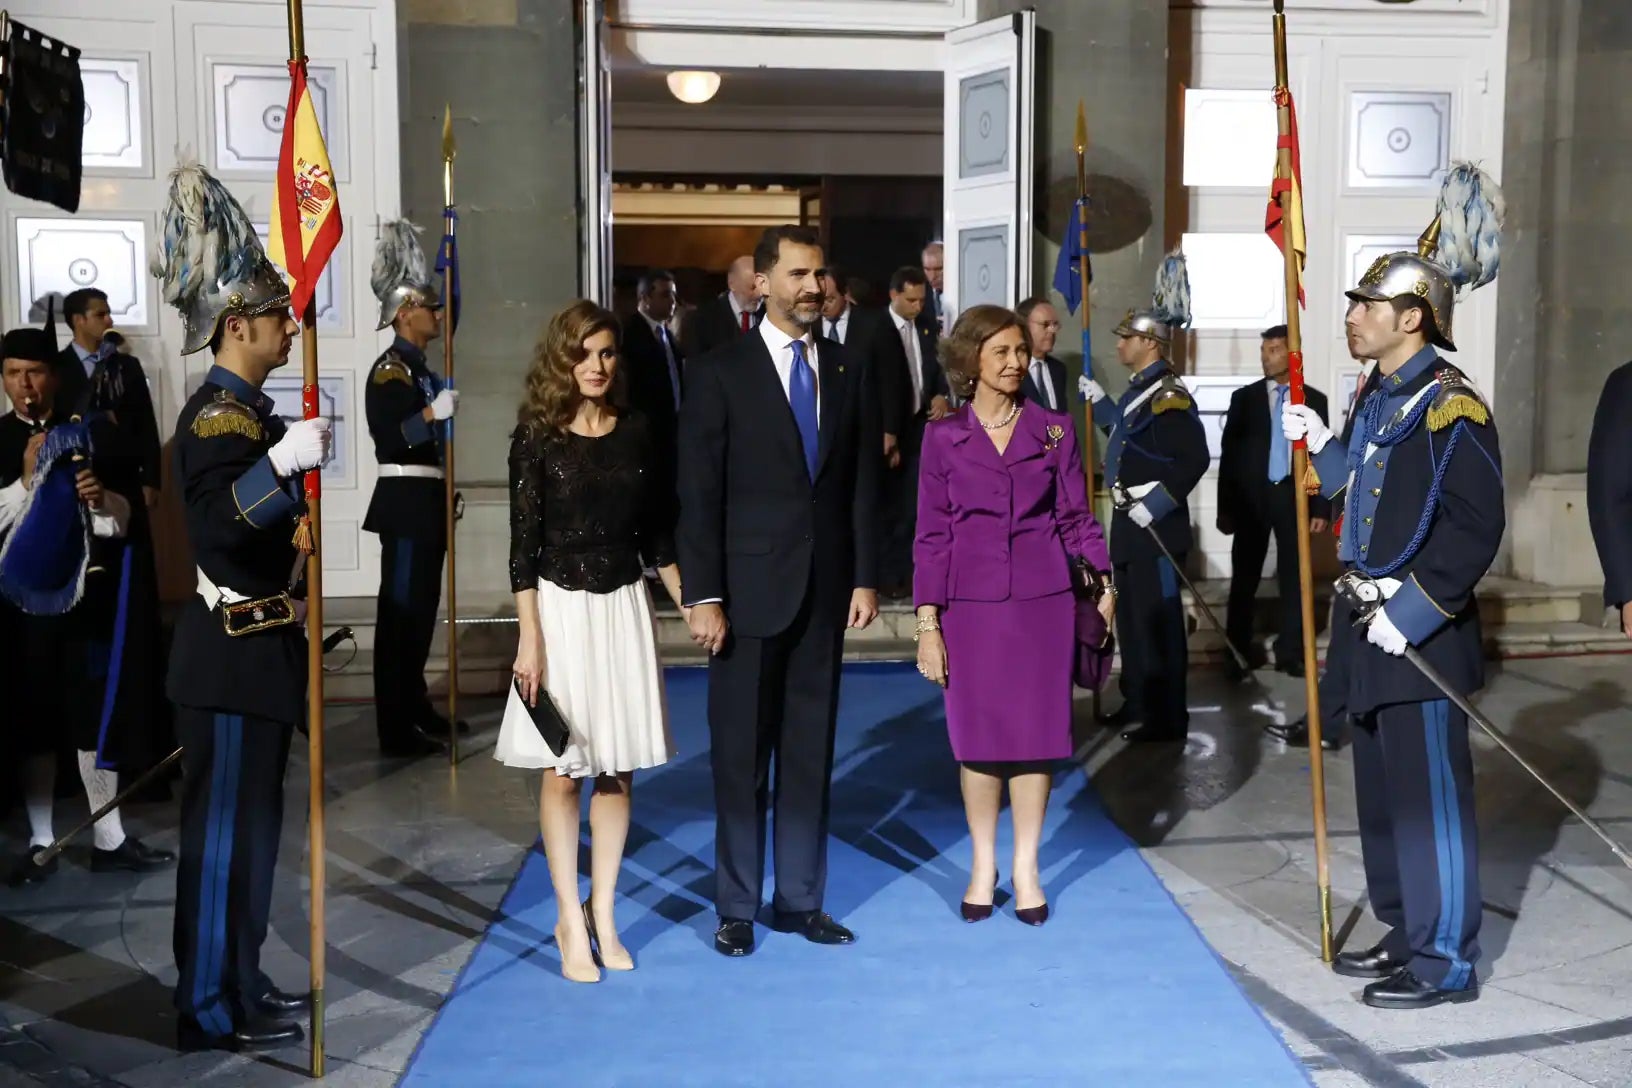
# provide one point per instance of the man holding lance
(238, 666)
(66, 502)
(1423, 515)
(408, 408)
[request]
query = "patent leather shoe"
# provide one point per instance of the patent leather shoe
(275, 1002)
(1155, 733)
(734, 937)
(258, 1034)
(978, 912)
(1374, 962)
(25, 872)
(131, 856)
(1032, 916)
(412, 743)
(815, 926)
(1404, 990)
(1122, 715)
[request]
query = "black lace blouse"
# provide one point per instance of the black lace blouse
(584, 511)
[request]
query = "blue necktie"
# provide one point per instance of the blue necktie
(1280, 450)
(802, 397)
(674, 369)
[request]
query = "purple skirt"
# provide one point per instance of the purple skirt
(1008, 678)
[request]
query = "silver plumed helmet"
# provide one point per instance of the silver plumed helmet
(209, 259)
(1169, 308)
(399, 276)
(1460, 251)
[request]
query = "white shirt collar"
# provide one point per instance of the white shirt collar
(778, 341)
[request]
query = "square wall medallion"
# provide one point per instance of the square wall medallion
(113, 114)
(63, 255)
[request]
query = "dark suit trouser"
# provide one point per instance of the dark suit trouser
(410, 591)
(898, 509)
(1150, 626)
(778, 696)
(1247, 551)
(1334, 680)
(1413, 787)
(231, 813)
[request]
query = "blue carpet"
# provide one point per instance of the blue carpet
(1118, 989)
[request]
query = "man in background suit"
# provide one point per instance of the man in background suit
(721, 320)
(779, 440)
(933, 318)
(914, 391)
(1609, 491)
(1255, 499)
(1044, 382)
(866, 333)
(656, 370)
(94, 375)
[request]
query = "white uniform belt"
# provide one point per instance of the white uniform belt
(213, 594)
(425, 472)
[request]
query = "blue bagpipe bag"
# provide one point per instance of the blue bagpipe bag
(45, 556)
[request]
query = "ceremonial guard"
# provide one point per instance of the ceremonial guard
(67, 498)
(238, 666)
(409, 414)
(1422, 509)
(1155, 456)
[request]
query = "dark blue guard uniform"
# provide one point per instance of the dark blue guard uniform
(1156, 438)
(238, 681)
(1421, 489)
(409, 512)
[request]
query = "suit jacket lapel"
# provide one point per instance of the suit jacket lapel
(830, 373)
(768, 389)
(1027, 440)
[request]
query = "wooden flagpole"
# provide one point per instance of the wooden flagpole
(448, 153)
(1300, 472)
(1084, 275)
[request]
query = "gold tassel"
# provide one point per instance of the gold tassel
(1457, 406)
(216, 424)
(303, 535)
(1311, 479)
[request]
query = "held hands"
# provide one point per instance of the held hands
(708, 626)
(308, 444)
(1382, 633)
(445, 405)
(1090, 389)
(863, 608)
(1301, 421)
(529, 668)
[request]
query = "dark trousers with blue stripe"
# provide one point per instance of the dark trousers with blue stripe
(1150, 631)
(231, 812)
(1413, 786)
(410, 591)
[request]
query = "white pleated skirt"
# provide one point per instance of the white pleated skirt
(602, 670)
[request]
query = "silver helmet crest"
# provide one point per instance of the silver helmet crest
(1459, 252)
(209, 260)
(400, 276)
(1169, 309)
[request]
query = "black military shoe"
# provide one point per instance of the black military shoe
(412, 743)
(277, 1002)
(24, 871)
(1374, 962)
(437, 726)
(131, 856)
(1404, 990)
(1122, 715)
(817, 927)
(258, 1034)
(1296, 735)
(735, 937)
(1155, 733)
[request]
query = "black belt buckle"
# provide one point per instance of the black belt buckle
(261, 614)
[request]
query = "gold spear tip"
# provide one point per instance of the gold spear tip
(1428, 243)
(1082, 127)
(448, 148)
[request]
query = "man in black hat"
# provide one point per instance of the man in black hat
(59, 607)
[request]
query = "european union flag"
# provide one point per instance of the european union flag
(447, 263)
(1068, 272)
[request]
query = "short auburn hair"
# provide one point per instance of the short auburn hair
(960, 349)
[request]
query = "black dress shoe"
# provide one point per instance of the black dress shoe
(24, 871)
(1374, 962)
(258, 1034)
(412, 743)
(1291, 667)
(437, 726)
(1122, 715)
(1153, 733)
(817, 927)
(276, 1001)
(734, 937)
(1404, 990)
(1296, 735)
(131, 856)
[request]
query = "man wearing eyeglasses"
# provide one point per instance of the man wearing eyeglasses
(1044, 382)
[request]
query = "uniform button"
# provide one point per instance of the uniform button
(1368, 521)
(1376, 491)
(1379, 464)
(1362, 547)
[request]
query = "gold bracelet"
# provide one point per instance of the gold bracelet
(924, 626)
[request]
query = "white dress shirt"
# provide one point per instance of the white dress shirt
(838, 330)
(737, 311)
(780, 345)
(915, 358)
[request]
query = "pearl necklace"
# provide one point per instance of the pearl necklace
(1014, 410)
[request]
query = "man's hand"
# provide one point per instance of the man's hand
(150, 495)
(892, 451)
(89, 488)
(307, 444)
(1139, 514)
(1318, 526)
(31, 456)
(1626, 619)
(1091, 390)
(708, 626)
(1382, 633)
(863, 608)
(443, 407)
(1301, 421)
(939, 407)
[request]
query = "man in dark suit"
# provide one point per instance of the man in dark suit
(655, 366)
(913, 390)
(1609, 491)
(779, 441)
(865, 332)
(1255, 500)
(933, 318)
(735, 313)
(94, 374)
(1045, 376)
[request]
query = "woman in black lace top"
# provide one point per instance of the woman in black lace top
(586, 516)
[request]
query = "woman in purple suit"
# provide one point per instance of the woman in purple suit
(1002, 516)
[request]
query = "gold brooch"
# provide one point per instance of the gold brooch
(1055, 433)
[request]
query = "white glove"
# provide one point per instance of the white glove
(1090, 389)
(1140, 515)
(307, 444)
(1301, 421)
(1382, 633)
(445, 404)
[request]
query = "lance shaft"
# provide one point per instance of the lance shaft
(1300, 471)
(1084, 275)
(448, 227)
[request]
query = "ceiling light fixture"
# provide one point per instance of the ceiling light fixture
(694, 88)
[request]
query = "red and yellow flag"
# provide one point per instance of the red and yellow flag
(1285, 216)
(306, 222)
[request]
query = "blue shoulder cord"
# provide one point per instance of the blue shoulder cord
(1375, 434)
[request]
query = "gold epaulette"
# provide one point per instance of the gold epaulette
(1455, 399)
(226, 415)
(391, 368)
(1172, 395)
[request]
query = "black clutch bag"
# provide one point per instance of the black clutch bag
(1088, 582)
(547, 719)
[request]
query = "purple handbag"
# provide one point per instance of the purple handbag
(1095, 645)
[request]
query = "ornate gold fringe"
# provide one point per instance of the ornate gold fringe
(303, 535)
(216, 424)
(1168, 402)
(1311, 478)
(1457, 406)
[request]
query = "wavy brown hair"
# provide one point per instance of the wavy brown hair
(959, 350)
(552, 397)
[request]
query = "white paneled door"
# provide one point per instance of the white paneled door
(209, 79)
(990, 121)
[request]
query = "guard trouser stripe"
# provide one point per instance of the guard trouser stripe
(1447, 841)
(215, 885)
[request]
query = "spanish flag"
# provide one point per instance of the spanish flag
(306, 222)
(1285, 211)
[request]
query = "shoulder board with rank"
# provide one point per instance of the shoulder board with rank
(1454, 399)
(227, 415)
(1172, 394)
(391, 368)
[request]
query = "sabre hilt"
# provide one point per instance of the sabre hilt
(1121, 497)
(1363, 594)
